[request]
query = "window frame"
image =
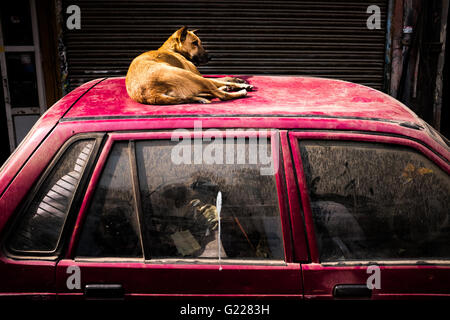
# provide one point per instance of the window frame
(73, 206)
(329, 135)
(132, 138)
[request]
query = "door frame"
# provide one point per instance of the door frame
(317, 276)
(130, 272)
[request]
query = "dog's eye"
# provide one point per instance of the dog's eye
(195, 43)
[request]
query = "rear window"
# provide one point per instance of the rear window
(374, 201)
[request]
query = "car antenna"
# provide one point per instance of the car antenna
(218, 208)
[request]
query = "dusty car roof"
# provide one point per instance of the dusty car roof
(273, 96)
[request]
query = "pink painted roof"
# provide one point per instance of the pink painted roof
(273, 96)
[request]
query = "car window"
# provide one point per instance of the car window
(374, 201)
(41, 225)
(111, 226)
(178, 204)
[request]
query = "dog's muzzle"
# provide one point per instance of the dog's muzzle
(199, 60)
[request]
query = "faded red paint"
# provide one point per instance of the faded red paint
(272, 96)
(321, 108)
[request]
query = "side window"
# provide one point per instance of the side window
(111, 226)
(373, 201)
(176, 207)
(179, 204)
(40, 227)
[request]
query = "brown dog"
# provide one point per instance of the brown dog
(169, 75)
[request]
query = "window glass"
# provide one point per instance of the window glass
(16, 23)
(111, 228)
(23, 125)
(40, 228)
(179, 198)
(22, 79)
(373, 201)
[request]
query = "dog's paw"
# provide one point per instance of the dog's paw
(226, 88)
(247, 87)
(204, 101)
(242, 92)
(238, 80)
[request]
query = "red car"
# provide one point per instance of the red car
(306, 189)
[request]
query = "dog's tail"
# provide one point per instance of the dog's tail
(163, 99)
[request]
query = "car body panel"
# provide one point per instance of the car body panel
(289, 108)
(146, 279)
(35, 278)
(399, 281)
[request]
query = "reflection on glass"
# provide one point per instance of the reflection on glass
(376, 202)
(22, 79)
(16, 23)
(111, 228)
(179, 205)
(40, 228)
(23, 124)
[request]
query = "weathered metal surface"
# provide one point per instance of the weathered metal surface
(294, 96)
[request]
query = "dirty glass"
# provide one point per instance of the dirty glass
(179, 200)
(378, 202)
(41, 226)
(111, 228)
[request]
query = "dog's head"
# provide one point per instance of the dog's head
(190, 46)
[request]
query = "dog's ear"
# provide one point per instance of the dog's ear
(194, 31)
(182, 33)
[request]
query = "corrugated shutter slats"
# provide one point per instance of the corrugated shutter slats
(313, 38)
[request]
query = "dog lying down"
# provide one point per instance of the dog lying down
(169, 74)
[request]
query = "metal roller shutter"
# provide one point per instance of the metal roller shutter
(313, 38)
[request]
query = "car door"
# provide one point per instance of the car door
(183, 214)
(34, 237)
(377, 216)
